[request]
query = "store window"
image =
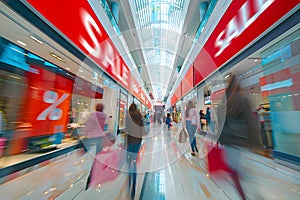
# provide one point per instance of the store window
(110, 100)
(26, 81)
(122, 110)
(81, 107)
(280, 84)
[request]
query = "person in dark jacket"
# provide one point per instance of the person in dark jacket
(202, 118)
(207, 117)
(135, 130)
(239, 128)
(168, 121)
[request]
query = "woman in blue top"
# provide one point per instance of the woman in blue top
(168, 121)
(191, 121)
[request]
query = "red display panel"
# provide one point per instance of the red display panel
(47, 102)
(77, 21)
(134, 88)
(188, 82)
(242, 23)
(176, 96)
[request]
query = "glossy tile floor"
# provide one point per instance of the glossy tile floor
(167, 170)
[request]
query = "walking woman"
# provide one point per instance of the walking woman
(135, 130)
(239, 130)
(94, 129)
(191, 121)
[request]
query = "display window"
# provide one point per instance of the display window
(28, 81)
(81, 107)
(280, 84)
(110, 100)
(122, 110)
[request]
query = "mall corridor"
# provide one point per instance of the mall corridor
(149, 99)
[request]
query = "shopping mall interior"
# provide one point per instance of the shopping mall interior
(191, 99)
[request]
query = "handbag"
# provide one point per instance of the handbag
(215, 160)
(106, 166)
(182, 136)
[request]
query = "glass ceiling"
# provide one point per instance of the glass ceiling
(159, 25)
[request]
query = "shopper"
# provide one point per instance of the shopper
(207, 117)
(168, 121)
(260, 111)
(192, 123)
(239, 130)
(94, 129)
(147, 122)
(134, 133)
(202, 119)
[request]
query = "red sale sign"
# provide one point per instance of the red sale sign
(52, 94)
(242, 23)
(77, 21)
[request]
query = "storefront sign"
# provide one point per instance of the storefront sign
(243, 22)
(78, 22)
(52, 93)
(176, 96)
(188, 81)
(135, 90)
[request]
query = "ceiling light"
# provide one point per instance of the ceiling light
(22, 43)
(14, 77)
(36, 39)
(59, 58)
(53, 55)
(255, 60)
(80, 70)
(227, 76)
(56, 56)
(68, 68)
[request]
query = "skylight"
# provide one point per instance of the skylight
(159, 25)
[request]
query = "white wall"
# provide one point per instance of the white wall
(110, 103)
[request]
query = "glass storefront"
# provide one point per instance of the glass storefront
(123, 109)
(27, 81)
(281, 85)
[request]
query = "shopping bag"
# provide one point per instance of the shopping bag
(215, 159)
(106, 166)
(182, 136)
(2, 146)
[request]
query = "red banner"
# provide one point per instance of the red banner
(176, 96)
(77, 21)
(135, 90)
(52, 94)
(243, 22)
(188, 81)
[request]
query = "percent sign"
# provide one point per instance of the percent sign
(52, 111)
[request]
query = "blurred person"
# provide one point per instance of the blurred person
(94, 129)
(239, 129)
(192, 124)
(202, 118)
(207, 117)
(134, 133)
(260, 111)
(168, 120)
(147, 122)
(213, 121)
